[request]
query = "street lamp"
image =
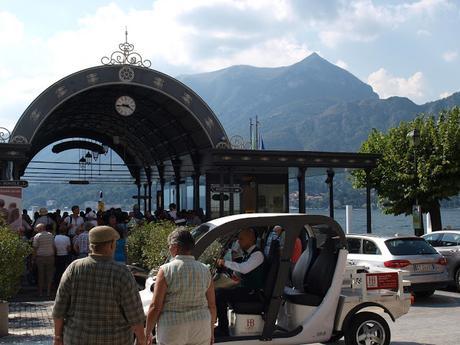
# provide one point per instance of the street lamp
(88, 157)
(82, 162)
(414, 137)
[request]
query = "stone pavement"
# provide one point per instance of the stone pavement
(30, 323)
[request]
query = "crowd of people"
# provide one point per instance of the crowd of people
(81, 253)
(58, 238)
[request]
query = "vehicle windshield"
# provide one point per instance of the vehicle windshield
(199, 231)
(409, 246)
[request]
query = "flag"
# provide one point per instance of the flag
(262, 146)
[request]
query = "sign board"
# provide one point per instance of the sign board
(14, 183)
(12, 197)
(216, 188)
(417, 217)
(377, 281)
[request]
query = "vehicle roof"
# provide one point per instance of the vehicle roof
(380, 237)
(450, 231)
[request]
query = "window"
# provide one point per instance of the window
(409, 246)
(433, 239)
(370, 247)
(354, 245)
(450, 240)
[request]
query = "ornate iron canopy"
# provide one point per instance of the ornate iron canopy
(126, 56)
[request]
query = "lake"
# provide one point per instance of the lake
(383, 224)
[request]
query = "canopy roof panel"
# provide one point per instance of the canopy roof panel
(169, 123)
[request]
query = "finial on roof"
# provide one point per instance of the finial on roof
(126, 55)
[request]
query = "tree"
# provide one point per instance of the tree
(395, 179)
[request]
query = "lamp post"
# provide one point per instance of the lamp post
(414, 137)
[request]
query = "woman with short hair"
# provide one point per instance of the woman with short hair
(183, 305)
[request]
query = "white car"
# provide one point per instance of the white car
(427, 267)
(321, 301)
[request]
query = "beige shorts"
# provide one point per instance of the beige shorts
(190, 333)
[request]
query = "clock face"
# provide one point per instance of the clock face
(125, 105)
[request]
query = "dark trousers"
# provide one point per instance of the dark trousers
(62, 261)
(224, 297)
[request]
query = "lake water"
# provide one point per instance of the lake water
(387, 224)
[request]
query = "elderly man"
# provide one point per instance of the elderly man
(97, 300)
(251, 271)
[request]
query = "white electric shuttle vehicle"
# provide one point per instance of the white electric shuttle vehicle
(319, 299)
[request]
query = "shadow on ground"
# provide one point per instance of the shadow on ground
(441, 299)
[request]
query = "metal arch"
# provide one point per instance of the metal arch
(79, 122)
(130, 161)
(46, 103)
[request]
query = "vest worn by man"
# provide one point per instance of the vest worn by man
(255, 278)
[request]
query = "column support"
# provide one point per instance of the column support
(368, 203)
(330, 182)
(301, 183)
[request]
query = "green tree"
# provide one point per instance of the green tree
(396, 180)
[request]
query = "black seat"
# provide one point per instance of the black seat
(299, 273)
(272, 263)
(318, 279)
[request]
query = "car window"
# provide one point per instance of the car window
(409, 246)
(449, 240)
(433, 239)
(354, 245)
(369, 247)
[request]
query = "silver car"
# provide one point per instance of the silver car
(427, 267)
(447, 242)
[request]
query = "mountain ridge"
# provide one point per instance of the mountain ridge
(306, 102)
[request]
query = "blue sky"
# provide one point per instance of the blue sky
(407, 48)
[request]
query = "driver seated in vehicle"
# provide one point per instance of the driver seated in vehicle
(251, 275)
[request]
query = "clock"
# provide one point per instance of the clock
(125, 105)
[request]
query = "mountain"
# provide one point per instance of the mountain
(310, 105)
(279, 96)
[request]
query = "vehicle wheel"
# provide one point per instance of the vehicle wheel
(334, 339)
(367, 329)
(424, 294)
(457, 279)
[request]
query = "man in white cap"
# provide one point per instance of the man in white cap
(97, 301)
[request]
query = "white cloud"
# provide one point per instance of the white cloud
(423, 32)
(11, 29)
(341, 64)
(364, 21)
(450, 56)
(387, 85)
(445, 94)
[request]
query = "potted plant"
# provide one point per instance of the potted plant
(12, 265)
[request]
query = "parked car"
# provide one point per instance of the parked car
(426, 266)
(447, 242)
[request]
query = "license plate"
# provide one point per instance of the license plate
(423, 267)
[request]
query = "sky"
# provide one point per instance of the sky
(406, 48)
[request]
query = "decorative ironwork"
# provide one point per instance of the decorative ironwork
(222, 145)
(4, 135)
(237, 142)
(19, 139)
(126, 73)
(126, 56)
(35, 115)
(158, 82)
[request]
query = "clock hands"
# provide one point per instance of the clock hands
(125, 106)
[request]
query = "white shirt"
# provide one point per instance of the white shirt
(254, 261)
(61, 242)
(74, 223)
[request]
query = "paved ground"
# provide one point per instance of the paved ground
(432, 321)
